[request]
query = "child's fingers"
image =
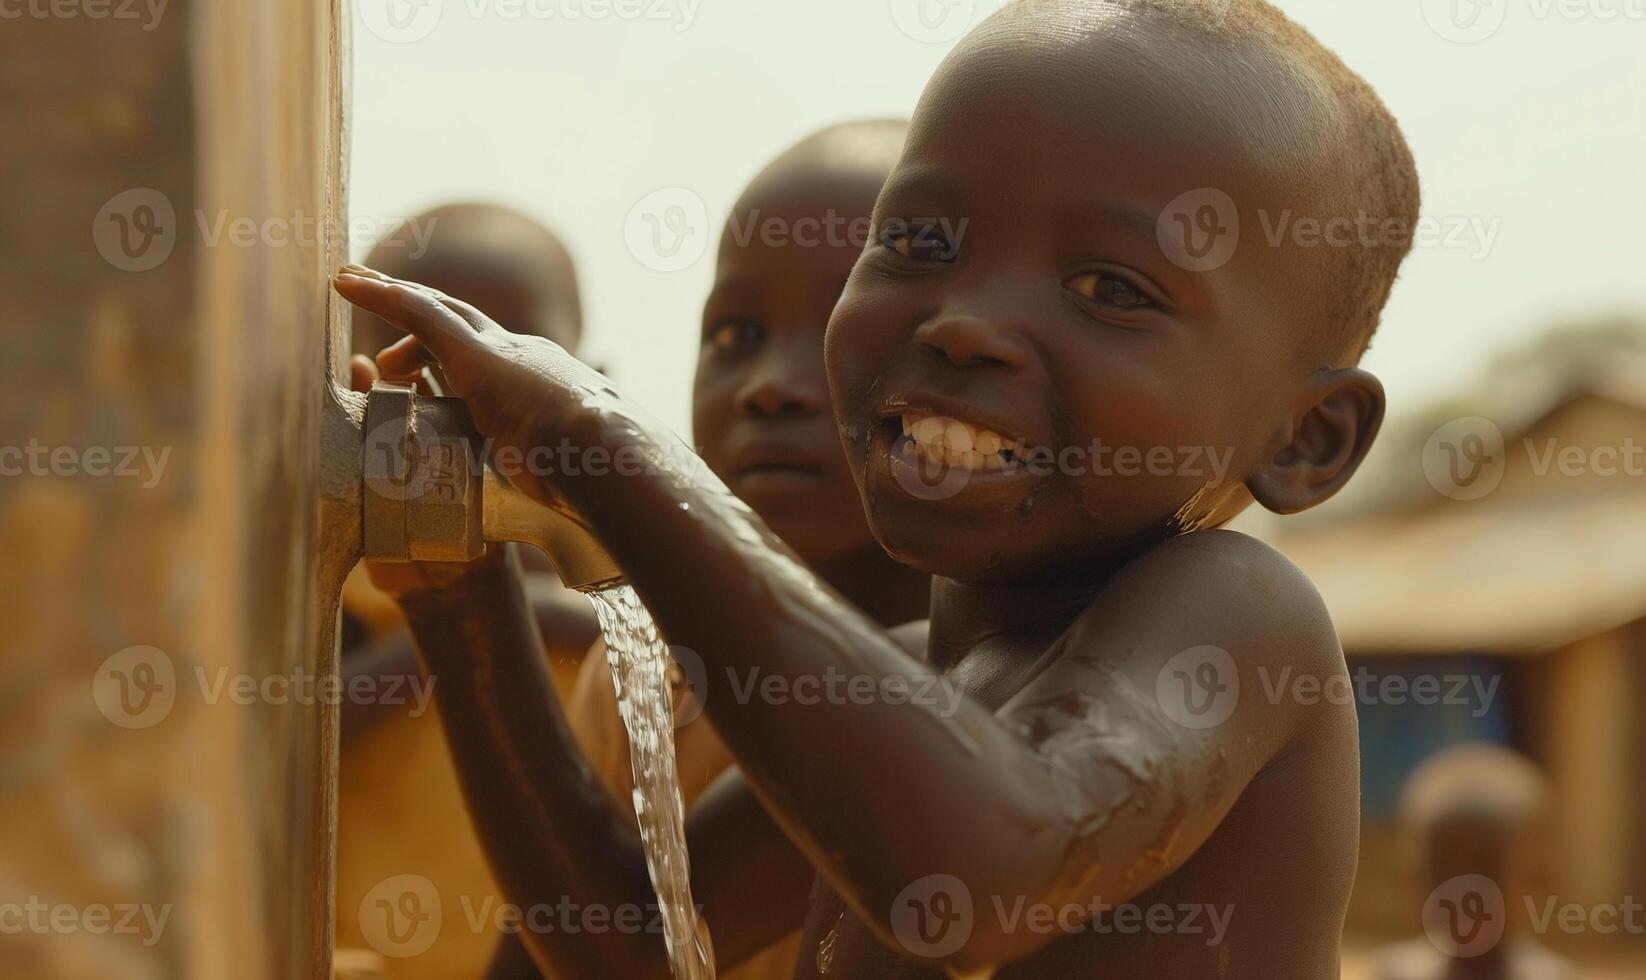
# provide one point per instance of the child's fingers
(362, 372)
(405, 359)
(442, 330)
(475, 318)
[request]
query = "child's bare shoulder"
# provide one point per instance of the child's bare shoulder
(1226, 588)
(1187, 642)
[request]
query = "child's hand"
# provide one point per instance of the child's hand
(521, 390)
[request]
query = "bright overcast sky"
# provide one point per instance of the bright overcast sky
(1531, 140)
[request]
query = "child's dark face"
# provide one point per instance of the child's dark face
(1052, 315)
(760, 409)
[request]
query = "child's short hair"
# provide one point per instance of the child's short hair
(1363, 143)
(870, 147)
(492, 242)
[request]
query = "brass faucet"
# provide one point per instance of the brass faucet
(429, 493)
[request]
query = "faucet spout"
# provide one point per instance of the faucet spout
(431, 495)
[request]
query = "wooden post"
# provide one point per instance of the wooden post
(171, 205)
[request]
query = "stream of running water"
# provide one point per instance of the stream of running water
(640, 671)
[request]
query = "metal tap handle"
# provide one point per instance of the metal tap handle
(430, 495)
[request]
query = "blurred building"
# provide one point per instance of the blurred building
(1488, 580)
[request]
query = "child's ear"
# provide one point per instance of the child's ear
(1328, 440)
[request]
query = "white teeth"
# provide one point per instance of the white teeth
(928, 430)
(955, 443)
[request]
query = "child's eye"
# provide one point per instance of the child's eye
(729, 334)
(921, 241)
(1108, 289)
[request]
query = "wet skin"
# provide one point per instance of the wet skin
(1062, 778)
(763, 423)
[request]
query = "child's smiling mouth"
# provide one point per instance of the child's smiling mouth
(938, 448)
(952, 442)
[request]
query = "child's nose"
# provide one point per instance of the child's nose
(968, 340)
(773, 391)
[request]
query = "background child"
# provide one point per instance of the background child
(1479, 822)
(400, 807)
(1018, 304)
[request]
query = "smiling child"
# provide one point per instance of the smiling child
(1113, 759)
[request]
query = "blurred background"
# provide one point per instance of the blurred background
(1486, 570)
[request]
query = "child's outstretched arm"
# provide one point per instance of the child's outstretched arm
(478, 636)
(1082, 785)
